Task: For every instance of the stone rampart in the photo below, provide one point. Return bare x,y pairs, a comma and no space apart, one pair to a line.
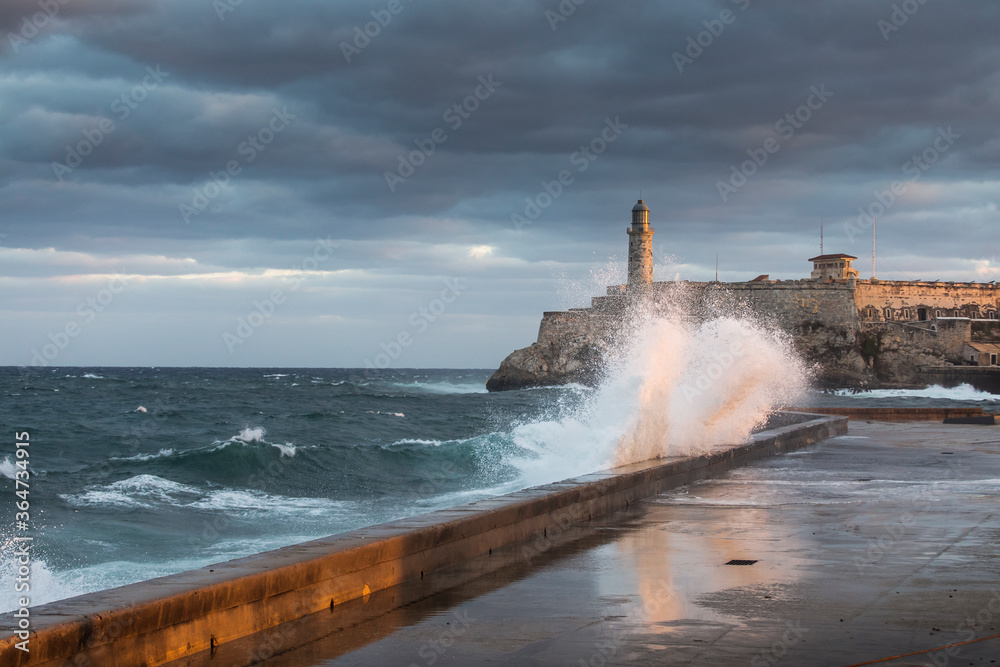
855,332
905,299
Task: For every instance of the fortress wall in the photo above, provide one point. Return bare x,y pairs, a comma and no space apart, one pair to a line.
946,337
794,303
790,303
946,297
950,337
576,325
985,331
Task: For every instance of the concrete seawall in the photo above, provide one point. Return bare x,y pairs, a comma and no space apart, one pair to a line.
898,414
187,616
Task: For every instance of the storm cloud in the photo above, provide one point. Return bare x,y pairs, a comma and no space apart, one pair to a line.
353,156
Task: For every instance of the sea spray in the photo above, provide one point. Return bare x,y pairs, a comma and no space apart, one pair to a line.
673,386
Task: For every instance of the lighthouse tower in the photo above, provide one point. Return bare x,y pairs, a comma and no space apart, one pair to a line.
640,248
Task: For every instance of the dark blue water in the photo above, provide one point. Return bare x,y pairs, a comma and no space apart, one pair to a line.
141,472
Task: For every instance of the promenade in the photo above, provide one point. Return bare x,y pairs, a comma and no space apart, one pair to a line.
879,543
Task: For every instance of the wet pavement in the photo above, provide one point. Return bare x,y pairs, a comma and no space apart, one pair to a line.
876,544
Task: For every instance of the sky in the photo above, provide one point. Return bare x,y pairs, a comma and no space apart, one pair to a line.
412,183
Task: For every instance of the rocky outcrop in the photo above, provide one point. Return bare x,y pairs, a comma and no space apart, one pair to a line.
822,320
570,348
546,365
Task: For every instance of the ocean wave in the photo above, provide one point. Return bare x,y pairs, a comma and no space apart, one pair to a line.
46,585
244,437
7,468
963,392
379,412
444,387
163,453
253,502
287,449
138,492
91,376
415,441
151,491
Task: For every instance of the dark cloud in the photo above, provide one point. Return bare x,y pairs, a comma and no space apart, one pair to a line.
224,75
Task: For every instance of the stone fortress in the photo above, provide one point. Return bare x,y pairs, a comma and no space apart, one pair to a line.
859,333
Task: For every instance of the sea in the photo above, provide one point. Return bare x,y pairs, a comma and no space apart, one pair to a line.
142,472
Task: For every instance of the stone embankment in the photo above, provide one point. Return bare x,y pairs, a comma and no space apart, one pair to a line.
247,610
823,321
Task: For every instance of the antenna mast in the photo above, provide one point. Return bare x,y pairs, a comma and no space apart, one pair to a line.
874,220
716,267
821,236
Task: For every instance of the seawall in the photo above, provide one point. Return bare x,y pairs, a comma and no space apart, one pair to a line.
193,616
900,414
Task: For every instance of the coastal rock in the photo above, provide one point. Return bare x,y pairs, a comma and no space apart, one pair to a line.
845,344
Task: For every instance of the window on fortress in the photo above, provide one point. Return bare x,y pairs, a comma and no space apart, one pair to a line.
906,313
888,313
937,313
993,315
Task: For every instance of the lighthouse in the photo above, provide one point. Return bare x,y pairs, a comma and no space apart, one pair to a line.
640,248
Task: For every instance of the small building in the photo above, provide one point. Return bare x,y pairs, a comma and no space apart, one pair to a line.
981,354
836,267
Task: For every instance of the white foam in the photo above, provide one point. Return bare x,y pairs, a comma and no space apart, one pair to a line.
254,502
150,491
91,376
46,586
277,375
674,389
287,449
163,453
388,414
248,434
140,409
445,387
7,468
141,491
416,441
963,392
